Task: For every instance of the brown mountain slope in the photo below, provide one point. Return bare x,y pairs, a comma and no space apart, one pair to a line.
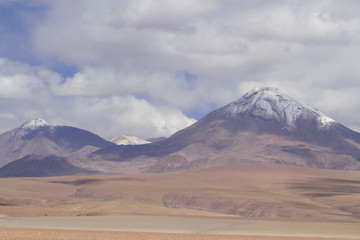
262,126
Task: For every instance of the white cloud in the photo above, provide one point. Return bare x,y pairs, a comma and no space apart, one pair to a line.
114,116
192,55
28,92
20,81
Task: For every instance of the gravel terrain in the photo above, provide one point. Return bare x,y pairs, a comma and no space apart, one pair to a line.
50,234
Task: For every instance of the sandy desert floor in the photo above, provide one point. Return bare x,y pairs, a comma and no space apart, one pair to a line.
50,234
255,191
244,201
149,225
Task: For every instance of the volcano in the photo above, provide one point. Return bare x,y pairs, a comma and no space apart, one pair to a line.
263,126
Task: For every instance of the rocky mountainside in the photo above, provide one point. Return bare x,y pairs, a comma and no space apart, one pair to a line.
41,138
264,125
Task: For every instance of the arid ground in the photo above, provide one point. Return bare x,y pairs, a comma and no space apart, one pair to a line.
272,200
188,225
40,234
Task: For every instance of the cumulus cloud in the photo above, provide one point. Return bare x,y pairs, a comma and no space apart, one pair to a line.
189,57
114,116
20,81
28,92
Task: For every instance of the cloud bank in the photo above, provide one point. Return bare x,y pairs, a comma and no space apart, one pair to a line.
148,68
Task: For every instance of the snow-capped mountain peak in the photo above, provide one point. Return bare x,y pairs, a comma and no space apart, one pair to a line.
28,127
128,140
34,124
270,104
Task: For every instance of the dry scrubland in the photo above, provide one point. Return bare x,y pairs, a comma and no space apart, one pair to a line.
245,191
253,191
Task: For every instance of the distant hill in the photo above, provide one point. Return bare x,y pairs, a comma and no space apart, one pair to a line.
42,166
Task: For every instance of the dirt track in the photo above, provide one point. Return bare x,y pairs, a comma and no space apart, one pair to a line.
48,234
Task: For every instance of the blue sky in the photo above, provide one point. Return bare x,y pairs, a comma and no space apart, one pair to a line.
17,21
149,68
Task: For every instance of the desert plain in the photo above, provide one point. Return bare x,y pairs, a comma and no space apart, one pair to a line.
240,201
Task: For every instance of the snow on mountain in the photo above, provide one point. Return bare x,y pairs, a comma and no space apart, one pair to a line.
270,104
39,137
34,124
29,127
263,126
128,140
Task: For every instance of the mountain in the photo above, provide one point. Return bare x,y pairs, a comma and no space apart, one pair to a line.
128,140
263,126
152,140
39,137
33,165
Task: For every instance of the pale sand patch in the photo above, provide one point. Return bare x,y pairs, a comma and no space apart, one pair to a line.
188,225
51,234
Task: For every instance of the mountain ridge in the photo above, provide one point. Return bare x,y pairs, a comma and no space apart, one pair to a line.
39,137
263,126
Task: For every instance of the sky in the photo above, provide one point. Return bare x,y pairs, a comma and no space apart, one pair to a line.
152,67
